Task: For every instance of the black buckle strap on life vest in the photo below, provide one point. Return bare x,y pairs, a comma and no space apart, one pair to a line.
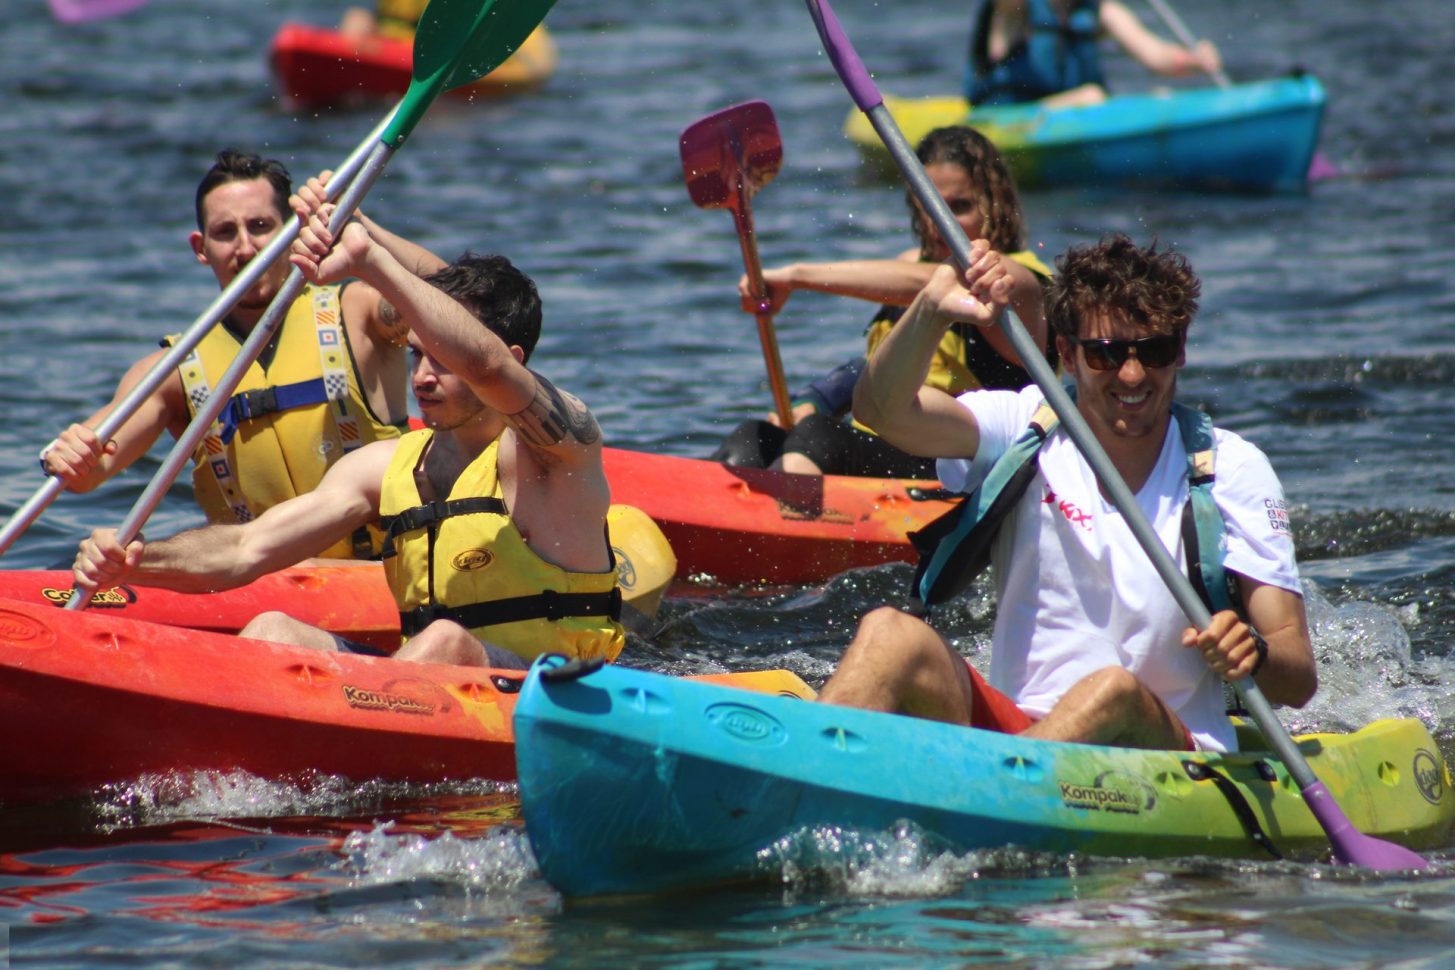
1200,771
430,513
545,605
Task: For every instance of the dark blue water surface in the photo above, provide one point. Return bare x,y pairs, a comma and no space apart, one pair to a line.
1327,337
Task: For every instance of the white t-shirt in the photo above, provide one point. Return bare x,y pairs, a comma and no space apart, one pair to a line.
1077,593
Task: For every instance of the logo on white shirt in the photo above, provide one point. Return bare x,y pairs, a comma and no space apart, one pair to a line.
1074,515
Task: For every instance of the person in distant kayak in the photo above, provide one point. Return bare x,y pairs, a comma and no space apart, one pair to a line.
973,179
1089,645
389,18
1046,50
334,377
494,513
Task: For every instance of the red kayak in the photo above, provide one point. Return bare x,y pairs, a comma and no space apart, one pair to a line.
745,526
92,698
316,66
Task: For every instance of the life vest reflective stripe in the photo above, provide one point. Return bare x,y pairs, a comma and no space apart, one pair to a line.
955,548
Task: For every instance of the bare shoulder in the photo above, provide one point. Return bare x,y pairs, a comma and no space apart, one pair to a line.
369,316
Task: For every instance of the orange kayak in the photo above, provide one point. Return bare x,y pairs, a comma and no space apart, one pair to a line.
316,66
93,698
744,526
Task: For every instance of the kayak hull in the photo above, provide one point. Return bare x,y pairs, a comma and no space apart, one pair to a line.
102,699
316,67
633,783
746,526
1257,137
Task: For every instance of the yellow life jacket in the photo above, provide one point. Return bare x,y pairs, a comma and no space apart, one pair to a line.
963,361
399,18
286,422
464,560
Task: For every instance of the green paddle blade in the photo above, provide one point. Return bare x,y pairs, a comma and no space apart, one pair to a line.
456,42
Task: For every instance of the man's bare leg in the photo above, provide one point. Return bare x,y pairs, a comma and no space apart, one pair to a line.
278,627
897,663
1112,707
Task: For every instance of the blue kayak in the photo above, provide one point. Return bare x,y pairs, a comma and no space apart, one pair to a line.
633,782
1257,137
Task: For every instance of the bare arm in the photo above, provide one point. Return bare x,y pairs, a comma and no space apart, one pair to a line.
219,557
1154,53
551,423
1289,675
893,281
83,461
890,396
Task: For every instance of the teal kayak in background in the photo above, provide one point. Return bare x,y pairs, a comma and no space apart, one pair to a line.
1255,137
633,782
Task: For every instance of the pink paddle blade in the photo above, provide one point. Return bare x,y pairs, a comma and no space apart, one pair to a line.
80,11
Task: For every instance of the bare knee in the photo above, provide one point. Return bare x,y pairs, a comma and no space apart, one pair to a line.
273,626
443,642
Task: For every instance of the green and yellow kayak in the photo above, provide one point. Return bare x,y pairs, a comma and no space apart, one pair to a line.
633,782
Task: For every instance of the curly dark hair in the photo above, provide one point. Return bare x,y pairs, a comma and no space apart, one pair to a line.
997,198
1157,290
499,295
235,166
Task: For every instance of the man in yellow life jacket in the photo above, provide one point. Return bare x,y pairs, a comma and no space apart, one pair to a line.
333,378
495,512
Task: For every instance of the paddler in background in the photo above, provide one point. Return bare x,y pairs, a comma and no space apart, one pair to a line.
1089,644
1046,50
389,18
333,378
972,177
495,512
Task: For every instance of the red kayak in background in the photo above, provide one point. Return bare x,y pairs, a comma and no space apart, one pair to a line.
317,66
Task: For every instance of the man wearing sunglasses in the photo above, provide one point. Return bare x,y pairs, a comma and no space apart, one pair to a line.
1088,645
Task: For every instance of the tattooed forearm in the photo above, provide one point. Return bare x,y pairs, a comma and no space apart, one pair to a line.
551,416
392,328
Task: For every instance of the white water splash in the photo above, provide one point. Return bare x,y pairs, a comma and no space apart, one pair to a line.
501,860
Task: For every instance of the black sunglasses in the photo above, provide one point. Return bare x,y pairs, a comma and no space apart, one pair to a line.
1158,351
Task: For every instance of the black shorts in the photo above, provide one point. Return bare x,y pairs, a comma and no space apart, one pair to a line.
835,446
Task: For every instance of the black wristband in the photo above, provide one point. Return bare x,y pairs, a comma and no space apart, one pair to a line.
1261,646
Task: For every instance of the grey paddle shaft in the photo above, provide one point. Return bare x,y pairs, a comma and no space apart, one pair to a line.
168,363
1034,359
218,398
1174,22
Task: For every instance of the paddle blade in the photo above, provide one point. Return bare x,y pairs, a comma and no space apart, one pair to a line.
492,30
80,11
456,42
1351,846
731,154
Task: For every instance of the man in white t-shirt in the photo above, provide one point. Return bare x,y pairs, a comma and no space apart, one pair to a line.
1089,645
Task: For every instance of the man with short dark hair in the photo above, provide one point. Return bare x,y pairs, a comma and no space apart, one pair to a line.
333,378
1089,645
